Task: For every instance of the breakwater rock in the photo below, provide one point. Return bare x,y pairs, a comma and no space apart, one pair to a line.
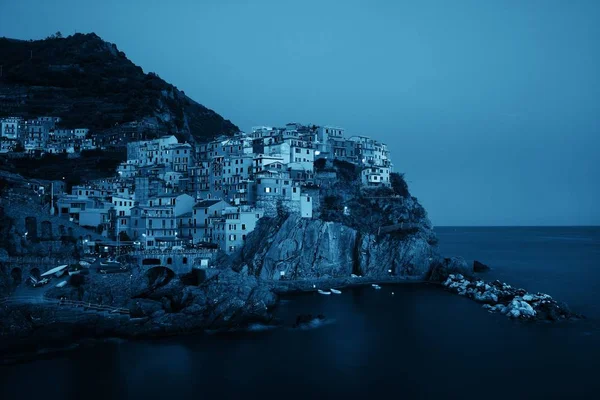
510,301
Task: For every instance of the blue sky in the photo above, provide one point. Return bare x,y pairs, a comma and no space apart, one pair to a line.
491,108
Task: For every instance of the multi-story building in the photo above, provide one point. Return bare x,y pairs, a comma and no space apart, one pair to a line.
230,229
203,211
10,127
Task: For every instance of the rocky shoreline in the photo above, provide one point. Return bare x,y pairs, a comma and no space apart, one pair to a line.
513,302
227,301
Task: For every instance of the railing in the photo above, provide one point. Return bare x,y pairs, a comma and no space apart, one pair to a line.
39,260
169,252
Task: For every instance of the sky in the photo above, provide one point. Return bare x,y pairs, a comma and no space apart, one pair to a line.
491,108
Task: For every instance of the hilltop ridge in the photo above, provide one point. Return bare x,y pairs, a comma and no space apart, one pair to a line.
89,82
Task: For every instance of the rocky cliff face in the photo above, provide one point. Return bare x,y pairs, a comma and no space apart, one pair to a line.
374,233
314,249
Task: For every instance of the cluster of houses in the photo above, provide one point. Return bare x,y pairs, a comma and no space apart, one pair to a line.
42,135
170,194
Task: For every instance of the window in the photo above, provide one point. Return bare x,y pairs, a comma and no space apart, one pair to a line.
267,190
185,260
243,227
169,261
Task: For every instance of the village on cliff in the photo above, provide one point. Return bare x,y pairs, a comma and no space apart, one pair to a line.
173,196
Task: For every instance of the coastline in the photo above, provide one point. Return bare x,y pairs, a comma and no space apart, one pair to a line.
57,337
92,329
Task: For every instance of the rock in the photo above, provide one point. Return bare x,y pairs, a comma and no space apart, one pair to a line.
304,319
518,307
297,248
442,268
3,255
480,267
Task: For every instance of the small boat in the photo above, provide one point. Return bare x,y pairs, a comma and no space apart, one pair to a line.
376,286
354,276
335,291
323,292
84,264
110,263
62,284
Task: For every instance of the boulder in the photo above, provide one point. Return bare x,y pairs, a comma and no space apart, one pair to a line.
480,267
442,268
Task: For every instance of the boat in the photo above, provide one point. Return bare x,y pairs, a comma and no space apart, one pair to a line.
61,284
84,264
323,292
57,271
376,286
335,291
110,263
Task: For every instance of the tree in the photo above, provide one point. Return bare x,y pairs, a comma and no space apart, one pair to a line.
399,185
124,237
58,35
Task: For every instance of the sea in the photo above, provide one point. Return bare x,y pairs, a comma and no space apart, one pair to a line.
403,341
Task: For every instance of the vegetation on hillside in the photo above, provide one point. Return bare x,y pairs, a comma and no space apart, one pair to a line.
93,164
90,83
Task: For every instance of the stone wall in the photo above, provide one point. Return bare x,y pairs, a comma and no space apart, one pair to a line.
270,205
180,262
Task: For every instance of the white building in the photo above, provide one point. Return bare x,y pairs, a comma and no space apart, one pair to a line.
230,230
9,127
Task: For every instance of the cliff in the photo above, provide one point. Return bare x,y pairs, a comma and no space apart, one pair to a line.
91,83
376,233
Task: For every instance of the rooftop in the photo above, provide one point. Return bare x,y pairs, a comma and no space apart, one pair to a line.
206,203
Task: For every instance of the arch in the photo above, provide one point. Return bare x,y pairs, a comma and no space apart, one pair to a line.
169,261
17,276
151,261
46,230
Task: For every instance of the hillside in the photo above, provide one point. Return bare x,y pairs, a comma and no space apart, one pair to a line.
90,83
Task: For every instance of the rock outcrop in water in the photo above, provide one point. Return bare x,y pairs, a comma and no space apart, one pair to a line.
510,301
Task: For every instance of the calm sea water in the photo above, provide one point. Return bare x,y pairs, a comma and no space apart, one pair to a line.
411,341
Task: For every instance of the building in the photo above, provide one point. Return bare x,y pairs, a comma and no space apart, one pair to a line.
203,210
230,229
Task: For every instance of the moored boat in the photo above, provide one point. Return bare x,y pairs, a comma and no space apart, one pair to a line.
335,291
323,292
